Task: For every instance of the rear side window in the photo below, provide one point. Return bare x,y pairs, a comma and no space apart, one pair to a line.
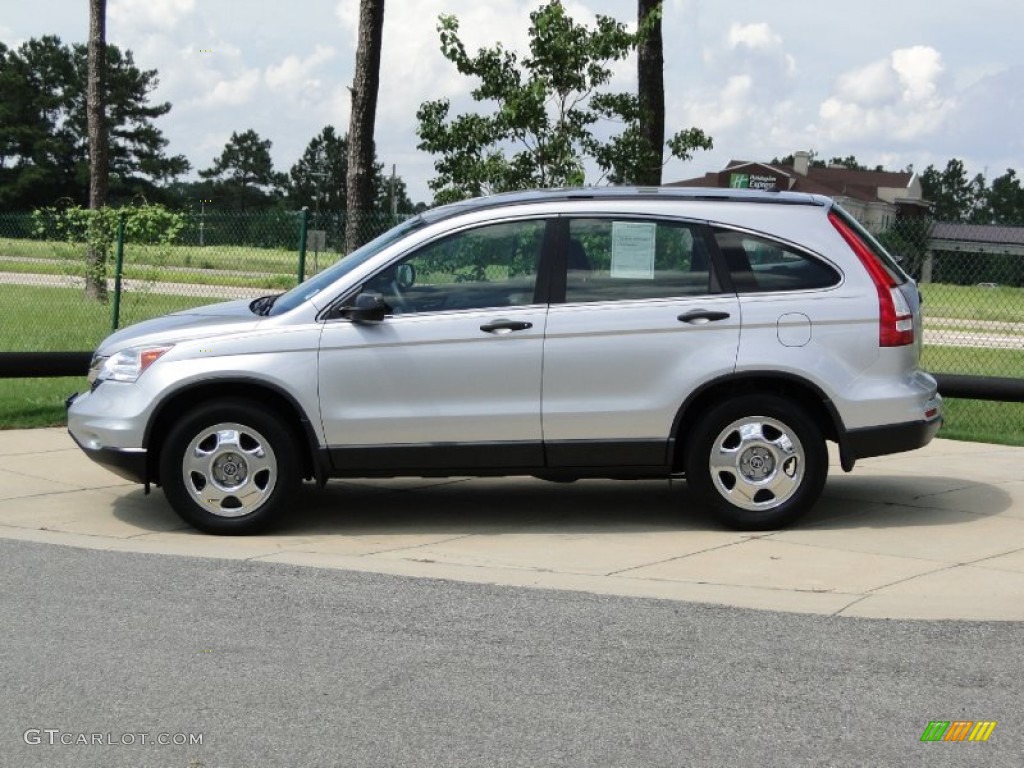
617,259
759,265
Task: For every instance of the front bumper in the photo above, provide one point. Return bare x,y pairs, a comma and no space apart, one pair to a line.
97,435
130,463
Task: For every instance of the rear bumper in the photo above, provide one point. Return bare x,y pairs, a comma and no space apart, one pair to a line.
890,438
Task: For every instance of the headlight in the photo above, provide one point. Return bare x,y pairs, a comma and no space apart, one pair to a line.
127,365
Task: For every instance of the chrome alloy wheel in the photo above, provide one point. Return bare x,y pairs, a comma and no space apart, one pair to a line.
229,469
757,463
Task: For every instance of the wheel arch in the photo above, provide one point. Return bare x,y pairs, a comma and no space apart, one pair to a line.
801,391
264,394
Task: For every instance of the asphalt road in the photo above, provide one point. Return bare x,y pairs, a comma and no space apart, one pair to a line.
283,666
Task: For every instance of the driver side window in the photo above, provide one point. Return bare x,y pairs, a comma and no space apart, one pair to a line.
489,266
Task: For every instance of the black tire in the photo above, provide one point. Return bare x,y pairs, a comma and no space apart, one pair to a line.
242,455
759,460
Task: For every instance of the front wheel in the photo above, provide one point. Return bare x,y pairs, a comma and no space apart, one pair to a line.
759,460
229,467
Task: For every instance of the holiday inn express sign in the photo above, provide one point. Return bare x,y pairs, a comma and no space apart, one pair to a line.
753,181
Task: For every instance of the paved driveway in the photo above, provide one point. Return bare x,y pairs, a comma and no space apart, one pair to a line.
937,533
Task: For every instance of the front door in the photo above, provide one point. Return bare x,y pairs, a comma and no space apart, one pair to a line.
452,376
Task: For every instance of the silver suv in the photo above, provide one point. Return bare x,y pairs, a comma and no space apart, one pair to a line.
723,336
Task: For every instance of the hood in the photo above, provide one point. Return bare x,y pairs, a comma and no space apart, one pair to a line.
213,319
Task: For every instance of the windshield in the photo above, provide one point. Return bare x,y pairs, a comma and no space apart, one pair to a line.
305,291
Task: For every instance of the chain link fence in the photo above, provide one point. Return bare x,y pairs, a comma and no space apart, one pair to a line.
212,256
971,278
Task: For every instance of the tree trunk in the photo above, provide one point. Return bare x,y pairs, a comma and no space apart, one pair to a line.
96,280
651,92
365,84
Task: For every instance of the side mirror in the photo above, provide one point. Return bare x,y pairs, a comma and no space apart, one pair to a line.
366,308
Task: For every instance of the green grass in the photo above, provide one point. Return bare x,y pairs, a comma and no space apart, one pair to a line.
980,421
241,258
149,273
59,320
29,403
974,361
969,302
37,318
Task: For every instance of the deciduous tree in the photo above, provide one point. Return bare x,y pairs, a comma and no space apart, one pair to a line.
1005,200
549,115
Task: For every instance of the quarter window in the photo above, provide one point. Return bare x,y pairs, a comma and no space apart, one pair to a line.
759,265
622,259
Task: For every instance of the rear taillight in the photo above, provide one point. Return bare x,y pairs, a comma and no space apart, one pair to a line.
895,318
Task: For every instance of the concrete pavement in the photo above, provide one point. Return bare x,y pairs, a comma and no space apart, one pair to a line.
933,534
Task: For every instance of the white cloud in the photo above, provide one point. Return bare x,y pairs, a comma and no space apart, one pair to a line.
756,36
162,14
347,13
876,83
295,72
918,69
232,91
730,107
899,98
748,43
747,102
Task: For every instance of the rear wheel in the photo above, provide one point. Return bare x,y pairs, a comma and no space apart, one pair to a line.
229,467
759,460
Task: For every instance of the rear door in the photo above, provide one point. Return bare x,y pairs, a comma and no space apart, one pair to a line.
644,321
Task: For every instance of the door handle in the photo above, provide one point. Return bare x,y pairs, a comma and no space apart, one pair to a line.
505,326
701,316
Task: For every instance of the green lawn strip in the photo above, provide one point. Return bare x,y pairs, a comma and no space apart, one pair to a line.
238,258
981,421
29,403
970,302
51,319
974,361
150,274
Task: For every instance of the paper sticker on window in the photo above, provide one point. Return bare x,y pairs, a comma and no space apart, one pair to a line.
633,250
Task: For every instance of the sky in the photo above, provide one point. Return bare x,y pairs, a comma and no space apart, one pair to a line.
894,83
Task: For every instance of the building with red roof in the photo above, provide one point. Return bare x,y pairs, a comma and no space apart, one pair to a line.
875,198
